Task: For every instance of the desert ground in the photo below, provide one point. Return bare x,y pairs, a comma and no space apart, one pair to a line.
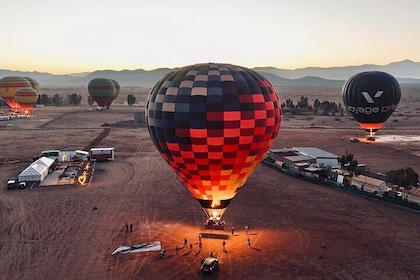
69,232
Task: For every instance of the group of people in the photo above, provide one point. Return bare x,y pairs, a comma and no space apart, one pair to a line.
185,244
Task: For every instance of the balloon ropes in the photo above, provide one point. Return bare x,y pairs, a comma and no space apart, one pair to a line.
371,98
213,124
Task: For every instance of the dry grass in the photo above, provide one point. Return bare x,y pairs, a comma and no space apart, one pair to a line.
55,233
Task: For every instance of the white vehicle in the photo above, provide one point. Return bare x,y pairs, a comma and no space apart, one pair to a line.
11,183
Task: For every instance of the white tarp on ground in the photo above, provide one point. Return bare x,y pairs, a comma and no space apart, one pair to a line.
145,247
37,171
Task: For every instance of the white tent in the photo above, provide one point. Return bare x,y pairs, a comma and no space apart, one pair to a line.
37,171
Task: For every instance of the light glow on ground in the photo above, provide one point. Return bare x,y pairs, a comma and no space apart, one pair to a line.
397,138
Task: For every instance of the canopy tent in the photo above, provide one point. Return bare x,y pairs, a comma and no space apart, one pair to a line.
37,171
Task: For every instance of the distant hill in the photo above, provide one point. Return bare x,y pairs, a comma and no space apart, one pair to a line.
406,71
402,69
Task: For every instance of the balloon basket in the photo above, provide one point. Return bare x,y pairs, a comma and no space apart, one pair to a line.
214,222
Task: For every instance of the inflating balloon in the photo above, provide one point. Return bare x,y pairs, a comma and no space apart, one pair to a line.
102,91
213,124
371,98
26,97
8,86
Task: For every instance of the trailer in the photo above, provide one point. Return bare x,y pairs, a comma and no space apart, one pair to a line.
101,154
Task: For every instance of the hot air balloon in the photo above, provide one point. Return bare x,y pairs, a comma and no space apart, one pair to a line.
213,124
34,83
26,97
371,98
102,90
8,86
117,92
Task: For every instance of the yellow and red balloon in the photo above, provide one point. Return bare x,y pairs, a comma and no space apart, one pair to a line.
26,97
8,87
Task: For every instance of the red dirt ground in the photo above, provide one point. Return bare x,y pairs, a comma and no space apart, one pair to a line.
56,233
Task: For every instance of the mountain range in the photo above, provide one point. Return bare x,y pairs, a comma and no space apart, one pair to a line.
406,71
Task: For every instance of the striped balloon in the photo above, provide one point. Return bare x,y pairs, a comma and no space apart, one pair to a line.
102,91
117,92
8,87
26,97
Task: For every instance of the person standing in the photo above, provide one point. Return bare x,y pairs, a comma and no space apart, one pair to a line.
190,246
185,242
126,227
246,230
131,227
176,250
233,230
249,242
224,245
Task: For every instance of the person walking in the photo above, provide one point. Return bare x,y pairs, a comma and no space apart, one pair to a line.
126,227
249,242
224,245
246,230
190,246
131,227
233,230
185,242
176,250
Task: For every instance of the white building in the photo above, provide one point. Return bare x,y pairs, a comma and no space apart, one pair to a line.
369,184
322,157
37,171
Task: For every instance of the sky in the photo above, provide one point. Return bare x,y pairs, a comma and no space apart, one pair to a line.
63,37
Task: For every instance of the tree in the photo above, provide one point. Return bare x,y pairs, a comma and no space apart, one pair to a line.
404,177
45,99
74,99
347,161
303,103
131,99
57,100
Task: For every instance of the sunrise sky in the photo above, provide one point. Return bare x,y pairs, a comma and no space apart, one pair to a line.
62,37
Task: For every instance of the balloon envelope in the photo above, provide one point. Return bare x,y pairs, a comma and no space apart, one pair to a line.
213,124
371,98
117,92
26,97
102,90
34,83
8,87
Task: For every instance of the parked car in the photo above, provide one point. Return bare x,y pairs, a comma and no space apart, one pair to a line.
209,265
354,139
370,138
12,183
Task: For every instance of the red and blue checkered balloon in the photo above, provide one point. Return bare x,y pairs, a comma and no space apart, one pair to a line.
213,123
